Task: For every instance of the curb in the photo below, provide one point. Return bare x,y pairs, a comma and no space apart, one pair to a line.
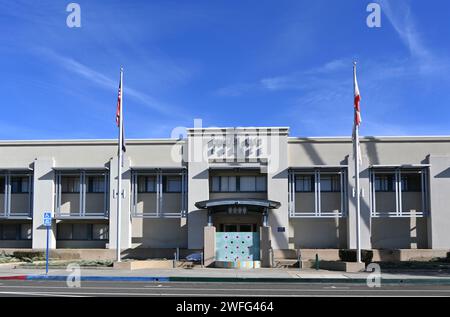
86,278
423,281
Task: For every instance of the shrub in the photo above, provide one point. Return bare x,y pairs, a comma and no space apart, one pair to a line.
349,255
28,256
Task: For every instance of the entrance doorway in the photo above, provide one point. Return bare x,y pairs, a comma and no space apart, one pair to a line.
238,227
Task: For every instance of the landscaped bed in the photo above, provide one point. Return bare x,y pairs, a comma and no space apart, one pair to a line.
436,264
55,263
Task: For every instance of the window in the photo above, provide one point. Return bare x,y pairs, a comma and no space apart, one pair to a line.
19,184
238,184
96,184
82,231
261,184
330,183
147,184
173,184
2,185
70,184
383,183
223,184
215,184
386,183
25,231
15,231
412,183
247,184
100,232
304,183
9,232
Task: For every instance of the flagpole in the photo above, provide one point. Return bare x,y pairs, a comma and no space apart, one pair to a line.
357,190
119,170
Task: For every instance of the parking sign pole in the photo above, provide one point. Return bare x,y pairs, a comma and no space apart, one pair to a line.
46,251
47,224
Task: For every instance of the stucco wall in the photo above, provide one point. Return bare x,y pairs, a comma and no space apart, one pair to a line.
318,233
159,233
399,233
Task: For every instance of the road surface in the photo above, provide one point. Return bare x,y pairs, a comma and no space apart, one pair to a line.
188,289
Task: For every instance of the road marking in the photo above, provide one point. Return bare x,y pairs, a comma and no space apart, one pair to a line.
41,294
65,294
291,290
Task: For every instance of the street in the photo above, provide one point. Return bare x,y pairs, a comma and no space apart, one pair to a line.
188,289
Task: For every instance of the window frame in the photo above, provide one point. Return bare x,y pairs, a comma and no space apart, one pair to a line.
238,179
90,230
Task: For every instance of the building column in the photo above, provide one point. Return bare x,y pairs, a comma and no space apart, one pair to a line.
209,249
438,220
265,244
365,219
198,178
43,194
277,190
125,229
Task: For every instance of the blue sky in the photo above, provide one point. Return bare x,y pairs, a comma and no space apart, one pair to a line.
229,63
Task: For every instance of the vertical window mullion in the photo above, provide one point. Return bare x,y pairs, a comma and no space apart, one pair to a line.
316,186
8,207
289,193
30,200
341,191
157,192
373,192
422,192
396,193
105,194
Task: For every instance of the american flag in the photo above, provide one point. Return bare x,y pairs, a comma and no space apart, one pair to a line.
119,103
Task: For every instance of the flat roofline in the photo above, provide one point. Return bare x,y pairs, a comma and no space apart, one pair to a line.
81,168
238,130
347,139
166,168
88,142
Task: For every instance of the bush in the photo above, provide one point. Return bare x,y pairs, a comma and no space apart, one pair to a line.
349,255
29,256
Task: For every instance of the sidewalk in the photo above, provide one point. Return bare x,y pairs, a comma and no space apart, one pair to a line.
226,275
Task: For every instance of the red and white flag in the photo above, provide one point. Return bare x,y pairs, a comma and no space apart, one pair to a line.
357,116
357,98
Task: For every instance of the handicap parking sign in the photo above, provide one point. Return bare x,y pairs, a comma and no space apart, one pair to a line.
47,219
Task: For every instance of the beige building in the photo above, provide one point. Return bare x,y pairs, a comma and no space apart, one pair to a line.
301,190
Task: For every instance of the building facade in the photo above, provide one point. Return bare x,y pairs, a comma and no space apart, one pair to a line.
299,191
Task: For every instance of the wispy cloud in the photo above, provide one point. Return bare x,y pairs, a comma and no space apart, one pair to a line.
401,18
293,81
103,81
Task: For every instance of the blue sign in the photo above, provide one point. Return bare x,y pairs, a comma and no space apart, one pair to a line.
47,219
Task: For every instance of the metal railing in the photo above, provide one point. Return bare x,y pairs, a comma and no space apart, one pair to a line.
398,208
82,193
160,210
8,211
318,211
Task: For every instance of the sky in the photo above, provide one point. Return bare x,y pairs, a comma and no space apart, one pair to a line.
228,63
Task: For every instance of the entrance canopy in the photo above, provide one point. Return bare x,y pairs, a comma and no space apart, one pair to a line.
221,205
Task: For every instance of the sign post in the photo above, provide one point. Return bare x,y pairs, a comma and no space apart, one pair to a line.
47,224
